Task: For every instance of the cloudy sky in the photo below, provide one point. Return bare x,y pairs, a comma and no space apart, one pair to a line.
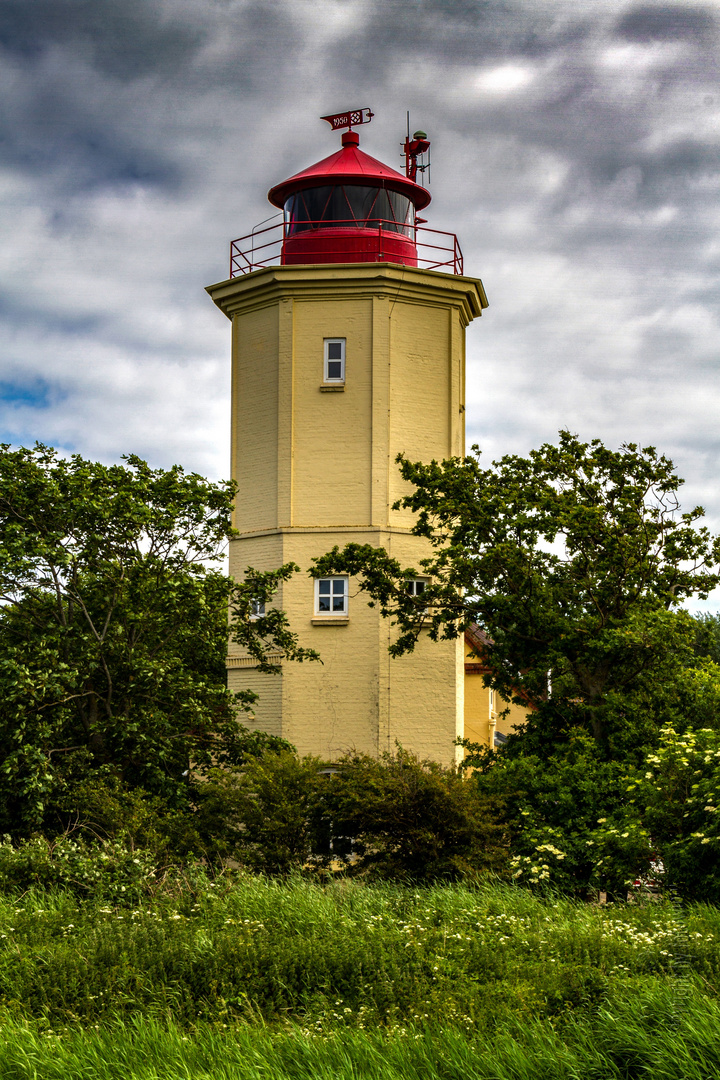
575,153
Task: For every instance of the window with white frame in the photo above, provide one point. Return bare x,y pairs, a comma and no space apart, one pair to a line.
331,596
417,586
257,609
334,367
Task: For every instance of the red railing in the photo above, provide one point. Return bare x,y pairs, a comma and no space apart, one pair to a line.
344,241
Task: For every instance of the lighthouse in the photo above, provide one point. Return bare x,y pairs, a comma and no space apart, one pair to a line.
348,347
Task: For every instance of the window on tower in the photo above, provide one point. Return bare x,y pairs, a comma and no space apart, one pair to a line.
334,360
331,596
416,587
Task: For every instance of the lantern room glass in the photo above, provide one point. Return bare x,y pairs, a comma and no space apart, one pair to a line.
349,206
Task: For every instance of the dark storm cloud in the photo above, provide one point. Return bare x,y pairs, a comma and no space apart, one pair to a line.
668,22
603,127
575,151
67,66
94,89
139,39
461,32
56,137
125,40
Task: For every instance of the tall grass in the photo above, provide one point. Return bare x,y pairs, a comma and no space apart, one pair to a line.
343,958
639,1036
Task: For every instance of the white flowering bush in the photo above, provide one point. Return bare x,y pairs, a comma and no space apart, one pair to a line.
624,853
665,832
678,792
543,865
552,808
109,870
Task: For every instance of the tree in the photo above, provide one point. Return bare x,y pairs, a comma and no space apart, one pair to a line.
114,628
707,635
574,562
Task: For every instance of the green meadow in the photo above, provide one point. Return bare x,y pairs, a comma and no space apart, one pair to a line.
243,977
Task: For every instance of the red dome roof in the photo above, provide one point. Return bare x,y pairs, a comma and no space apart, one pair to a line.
350,165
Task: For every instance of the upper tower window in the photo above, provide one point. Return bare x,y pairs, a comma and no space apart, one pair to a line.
349,206
334,360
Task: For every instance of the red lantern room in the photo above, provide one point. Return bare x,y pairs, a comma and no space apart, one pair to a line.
349,208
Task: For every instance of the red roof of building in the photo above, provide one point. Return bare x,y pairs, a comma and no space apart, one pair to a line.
350,165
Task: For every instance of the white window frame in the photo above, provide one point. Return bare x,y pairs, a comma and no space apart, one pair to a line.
257,609
412,589
332,594
334,381
413,584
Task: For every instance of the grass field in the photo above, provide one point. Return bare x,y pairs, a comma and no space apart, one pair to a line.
253,978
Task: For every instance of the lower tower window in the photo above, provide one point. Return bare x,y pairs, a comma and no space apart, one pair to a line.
331,596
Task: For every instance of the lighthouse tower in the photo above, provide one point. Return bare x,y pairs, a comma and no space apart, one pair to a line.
348,347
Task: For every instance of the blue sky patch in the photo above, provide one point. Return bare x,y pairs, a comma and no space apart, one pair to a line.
35,393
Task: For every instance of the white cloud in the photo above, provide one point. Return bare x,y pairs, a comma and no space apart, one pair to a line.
504,79
574,152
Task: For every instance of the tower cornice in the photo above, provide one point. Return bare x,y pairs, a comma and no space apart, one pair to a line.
349,281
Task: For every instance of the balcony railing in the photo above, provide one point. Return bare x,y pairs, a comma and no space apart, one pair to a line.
345,241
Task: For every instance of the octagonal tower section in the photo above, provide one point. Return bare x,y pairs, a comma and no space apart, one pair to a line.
346,350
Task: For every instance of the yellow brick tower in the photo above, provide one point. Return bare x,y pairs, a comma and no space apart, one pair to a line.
349,351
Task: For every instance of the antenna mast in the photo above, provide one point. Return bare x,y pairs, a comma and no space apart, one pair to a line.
413,149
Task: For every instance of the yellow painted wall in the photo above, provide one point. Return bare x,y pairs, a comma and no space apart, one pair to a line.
317,468
483,705
332,428
254,433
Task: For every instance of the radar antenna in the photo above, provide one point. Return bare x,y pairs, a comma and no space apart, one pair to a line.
413,149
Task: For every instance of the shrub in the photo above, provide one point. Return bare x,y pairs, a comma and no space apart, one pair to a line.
266,815
393,818
412,819
108,871
672,801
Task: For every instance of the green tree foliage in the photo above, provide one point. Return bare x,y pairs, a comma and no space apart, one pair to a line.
414,820
114,628
666,828
707,636
394,818
574,561
266,815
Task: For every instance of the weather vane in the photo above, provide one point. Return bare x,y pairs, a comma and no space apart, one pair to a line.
350,119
